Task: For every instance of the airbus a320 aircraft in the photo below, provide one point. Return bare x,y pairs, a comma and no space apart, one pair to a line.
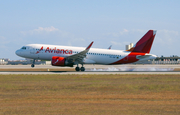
69,56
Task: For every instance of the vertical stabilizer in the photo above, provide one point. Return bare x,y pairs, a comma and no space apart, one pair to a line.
145,43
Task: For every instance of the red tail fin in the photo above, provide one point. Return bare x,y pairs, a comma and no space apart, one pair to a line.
145,43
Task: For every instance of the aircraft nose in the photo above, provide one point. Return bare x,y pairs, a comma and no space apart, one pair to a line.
18,52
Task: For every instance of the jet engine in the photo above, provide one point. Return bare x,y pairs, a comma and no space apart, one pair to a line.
60,61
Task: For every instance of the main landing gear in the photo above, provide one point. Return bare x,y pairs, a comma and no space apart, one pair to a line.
78,69
32,65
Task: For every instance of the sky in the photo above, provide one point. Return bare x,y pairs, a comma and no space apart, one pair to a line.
79,22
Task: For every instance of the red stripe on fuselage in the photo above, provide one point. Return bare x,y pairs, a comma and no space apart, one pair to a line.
130,58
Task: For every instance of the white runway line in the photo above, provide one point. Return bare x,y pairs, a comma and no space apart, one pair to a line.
82,73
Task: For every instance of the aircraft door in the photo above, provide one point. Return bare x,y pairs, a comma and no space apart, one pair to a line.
33,54
32,51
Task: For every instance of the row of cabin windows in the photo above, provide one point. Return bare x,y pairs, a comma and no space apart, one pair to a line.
101,54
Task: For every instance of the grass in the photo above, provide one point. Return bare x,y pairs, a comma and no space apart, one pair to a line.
89,94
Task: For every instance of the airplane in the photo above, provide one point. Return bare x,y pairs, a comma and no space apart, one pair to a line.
70,56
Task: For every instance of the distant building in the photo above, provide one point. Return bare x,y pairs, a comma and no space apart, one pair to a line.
3,61
128,47
162,60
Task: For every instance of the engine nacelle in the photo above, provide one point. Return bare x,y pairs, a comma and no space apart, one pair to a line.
60,61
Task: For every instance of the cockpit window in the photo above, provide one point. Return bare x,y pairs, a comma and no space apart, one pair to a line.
23,48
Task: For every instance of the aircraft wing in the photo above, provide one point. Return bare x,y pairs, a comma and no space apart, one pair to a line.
78,58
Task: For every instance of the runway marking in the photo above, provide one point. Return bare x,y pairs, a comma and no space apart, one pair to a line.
92,72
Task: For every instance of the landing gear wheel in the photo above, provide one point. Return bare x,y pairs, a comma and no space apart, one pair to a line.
32,65
77,69
82,69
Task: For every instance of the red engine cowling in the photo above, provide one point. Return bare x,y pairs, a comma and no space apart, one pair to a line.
58,61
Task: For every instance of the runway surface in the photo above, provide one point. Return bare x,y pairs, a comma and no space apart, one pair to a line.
94,69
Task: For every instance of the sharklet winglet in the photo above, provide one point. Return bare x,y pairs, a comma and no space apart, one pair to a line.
89,45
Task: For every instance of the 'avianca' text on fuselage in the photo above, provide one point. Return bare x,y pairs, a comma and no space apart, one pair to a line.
54,50
69,56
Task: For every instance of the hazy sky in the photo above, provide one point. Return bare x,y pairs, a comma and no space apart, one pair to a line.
78,22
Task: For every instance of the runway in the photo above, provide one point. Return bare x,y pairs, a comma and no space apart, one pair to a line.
91,69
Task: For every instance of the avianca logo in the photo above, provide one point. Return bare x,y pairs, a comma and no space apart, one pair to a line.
39,50
54,50
56,62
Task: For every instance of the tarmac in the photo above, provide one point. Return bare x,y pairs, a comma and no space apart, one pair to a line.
97,69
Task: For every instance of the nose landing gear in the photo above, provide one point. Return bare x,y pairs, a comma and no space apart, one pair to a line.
32,65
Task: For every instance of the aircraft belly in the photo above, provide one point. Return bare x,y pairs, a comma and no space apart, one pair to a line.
45,56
